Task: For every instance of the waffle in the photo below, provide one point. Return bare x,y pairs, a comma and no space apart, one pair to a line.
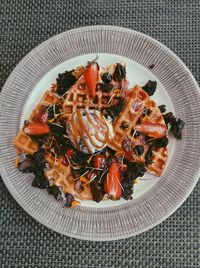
159,159
62,176
66,182
59,179
57,163
25,143
78,72
155,116
78,98
48,99
160,155
125,123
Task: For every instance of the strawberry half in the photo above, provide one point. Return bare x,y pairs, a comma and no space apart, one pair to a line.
112,184
70,152
36,129
91,77
42,117
152,130
98,161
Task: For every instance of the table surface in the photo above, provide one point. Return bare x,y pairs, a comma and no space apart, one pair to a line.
26,243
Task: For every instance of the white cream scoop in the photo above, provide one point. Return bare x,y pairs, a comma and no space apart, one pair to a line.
89,130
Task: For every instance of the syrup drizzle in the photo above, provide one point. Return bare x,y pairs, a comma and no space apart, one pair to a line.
98,139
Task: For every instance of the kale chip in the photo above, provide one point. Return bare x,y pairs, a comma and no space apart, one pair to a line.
177,125
119,73
150,87
64,82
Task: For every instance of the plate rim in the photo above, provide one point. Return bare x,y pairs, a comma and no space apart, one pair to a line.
189,188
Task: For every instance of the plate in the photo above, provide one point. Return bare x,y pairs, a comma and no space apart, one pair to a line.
154,198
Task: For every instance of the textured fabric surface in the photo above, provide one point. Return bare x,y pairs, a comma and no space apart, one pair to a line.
26,243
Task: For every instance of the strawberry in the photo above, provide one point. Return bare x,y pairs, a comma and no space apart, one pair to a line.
36,129
70,152
98,161
91,77
42,117
112,184
152,129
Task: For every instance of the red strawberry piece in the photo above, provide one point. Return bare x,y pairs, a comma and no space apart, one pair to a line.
152,129
36,129
68,156
112,184
91,77
137,105
70,152
98,161
42,116
127,145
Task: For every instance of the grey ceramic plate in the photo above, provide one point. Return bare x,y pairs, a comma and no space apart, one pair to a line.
177,87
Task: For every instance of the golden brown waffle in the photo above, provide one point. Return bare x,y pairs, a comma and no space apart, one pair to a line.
57,163
60,179
160,155
78,72
77,98
25,143
155,116
48,99
125,122
36,112
66,182
61,175
159,159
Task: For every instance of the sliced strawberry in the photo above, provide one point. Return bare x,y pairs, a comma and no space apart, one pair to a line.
42,117
70,152
98,161
68,157
36,129
91,77
112,184
137,105
152,129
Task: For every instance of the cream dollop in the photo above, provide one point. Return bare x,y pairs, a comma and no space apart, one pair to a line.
89,130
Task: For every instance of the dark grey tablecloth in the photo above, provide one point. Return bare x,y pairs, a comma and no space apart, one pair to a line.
26,243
